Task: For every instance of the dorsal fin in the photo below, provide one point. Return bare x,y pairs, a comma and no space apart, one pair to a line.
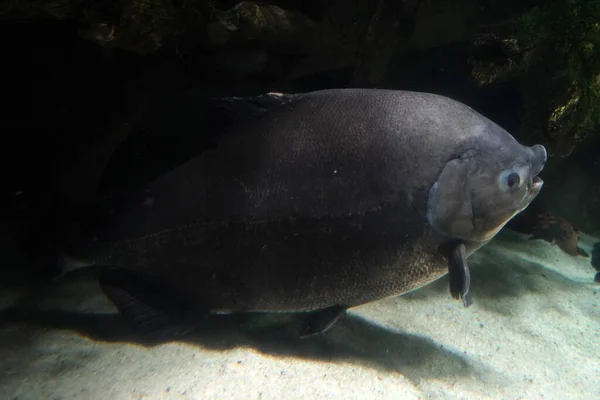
227,110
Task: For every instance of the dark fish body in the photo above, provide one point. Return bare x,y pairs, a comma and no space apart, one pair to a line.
294,264
329,198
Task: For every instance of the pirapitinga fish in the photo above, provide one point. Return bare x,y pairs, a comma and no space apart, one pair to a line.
315,203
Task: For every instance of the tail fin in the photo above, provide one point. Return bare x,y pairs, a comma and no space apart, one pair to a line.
225,111
62,226
66,264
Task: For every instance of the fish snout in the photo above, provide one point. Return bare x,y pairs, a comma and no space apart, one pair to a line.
540,156
538,161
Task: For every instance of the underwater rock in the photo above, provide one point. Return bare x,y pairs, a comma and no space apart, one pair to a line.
542,225
596,257
557,71
30,9
336,39
444,22
269,26
548,102
391,23
562,123
494,60
137,26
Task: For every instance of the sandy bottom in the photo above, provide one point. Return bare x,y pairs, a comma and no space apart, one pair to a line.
533,332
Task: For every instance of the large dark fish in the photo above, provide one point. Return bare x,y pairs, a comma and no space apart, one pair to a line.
317,202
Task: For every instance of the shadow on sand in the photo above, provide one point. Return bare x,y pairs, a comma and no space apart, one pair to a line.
353,339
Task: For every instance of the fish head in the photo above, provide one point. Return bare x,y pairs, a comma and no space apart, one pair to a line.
485,185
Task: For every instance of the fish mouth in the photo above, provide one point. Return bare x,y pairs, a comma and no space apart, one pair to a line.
534,189
536,184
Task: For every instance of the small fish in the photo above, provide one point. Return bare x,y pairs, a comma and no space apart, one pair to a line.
314,203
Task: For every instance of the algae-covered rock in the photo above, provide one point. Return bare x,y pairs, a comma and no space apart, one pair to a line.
554,53
151,20
495,59
251,23
566,72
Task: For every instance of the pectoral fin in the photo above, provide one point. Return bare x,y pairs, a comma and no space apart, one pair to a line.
460,277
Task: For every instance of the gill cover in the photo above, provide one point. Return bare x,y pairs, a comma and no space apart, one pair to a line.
449,208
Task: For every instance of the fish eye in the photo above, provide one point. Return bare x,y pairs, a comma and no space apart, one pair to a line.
509,180
513,180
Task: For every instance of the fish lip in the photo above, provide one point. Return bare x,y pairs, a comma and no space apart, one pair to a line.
534,189
536,184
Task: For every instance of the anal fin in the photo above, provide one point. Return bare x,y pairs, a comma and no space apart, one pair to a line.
317,322
151,308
